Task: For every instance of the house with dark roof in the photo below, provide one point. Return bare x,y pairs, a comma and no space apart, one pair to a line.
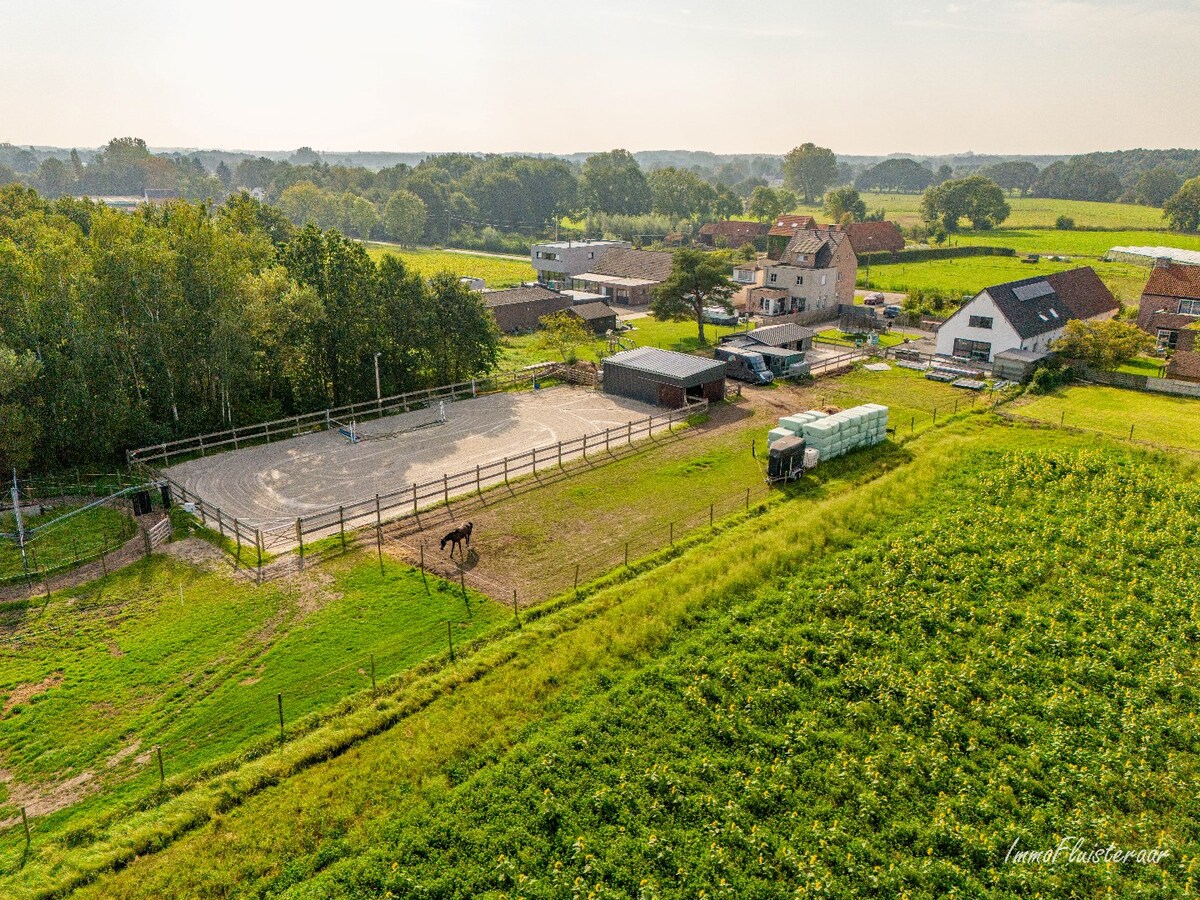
517,310
1029,314
1170,302
732,234
787,336
874,237
814,271
626,277
596,316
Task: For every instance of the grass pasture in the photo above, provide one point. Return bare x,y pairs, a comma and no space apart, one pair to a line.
1090,244
883,688
496,271
80,536
1157,418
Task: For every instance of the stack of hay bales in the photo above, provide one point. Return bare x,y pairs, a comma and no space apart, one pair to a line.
834,435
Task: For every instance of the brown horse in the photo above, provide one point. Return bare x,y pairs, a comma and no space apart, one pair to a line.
461,534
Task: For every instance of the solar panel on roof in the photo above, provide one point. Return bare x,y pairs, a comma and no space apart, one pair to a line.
1033,291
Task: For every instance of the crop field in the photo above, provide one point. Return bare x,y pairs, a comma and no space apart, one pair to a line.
853,692
968,275
1092,244
1027,212
1159,419
496,271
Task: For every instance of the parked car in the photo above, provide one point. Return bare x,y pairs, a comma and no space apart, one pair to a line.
875,299
892,311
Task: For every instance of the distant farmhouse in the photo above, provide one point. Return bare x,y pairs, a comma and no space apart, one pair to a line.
1026,315
731,234
626,277
874,237
814,271
1170,310
557,262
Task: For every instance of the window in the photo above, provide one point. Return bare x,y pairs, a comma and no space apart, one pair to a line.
1189,307
977,350
591,255
799,279
980,322
772,278
1167,339
546,254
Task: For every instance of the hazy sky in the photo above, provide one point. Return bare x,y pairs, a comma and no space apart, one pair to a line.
860,76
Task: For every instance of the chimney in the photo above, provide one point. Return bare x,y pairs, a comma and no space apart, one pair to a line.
1162,262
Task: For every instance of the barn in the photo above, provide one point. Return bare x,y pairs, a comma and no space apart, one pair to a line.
663,377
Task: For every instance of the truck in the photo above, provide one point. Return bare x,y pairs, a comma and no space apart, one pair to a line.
744,365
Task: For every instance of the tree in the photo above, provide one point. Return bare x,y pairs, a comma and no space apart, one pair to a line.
697,280
763,204
1012,175
975,198
680,194
1078,178
809,170
562,332
404,217
1157,186
613,182
18,428
905,176
943,173
1183,210
844,204
461,334
1103,345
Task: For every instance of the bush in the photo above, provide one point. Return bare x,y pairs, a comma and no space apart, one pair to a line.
1064,223
886,257
1049,378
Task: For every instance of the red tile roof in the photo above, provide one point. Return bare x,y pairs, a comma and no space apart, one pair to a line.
871,237
1174,281
786,226
734,231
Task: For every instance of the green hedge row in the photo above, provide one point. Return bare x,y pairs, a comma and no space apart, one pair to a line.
886,257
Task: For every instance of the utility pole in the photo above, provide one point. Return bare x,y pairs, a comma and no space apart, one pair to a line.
378,392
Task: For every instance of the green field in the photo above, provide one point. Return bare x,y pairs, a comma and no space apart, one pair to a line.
878,689
647,331
967,276
844,339
163,653
78,537
1027,212
1169,421
496,271
1093,244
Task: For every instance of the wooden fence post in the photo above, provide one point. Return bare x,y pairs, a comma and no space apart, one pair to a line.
710,514
629,433
450,639
342,526
516,615
671,533
560,454
446,489
25,824
146,539
373,688
379,532
576,579
414,498
258,549
220,523
300,540
281,736
747,499
585,447
533,456
237,534
506,471
478,488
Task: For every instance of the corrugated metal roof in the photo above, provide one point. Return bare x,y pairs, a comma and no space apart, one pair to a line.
666,362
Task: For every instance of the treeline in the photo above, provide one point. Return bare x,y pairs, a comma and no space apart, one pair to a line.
123,329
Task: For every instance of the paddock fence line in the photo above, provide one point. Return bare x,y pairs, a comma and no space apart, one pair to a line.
322,420
1013,414
251,542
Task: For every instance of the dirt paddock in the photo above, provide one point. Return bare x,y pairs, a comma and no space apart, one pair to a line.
273,483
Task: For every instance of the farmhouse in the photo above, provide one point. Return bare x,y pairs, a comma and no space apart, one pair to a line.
784,230
874,237
597,317
1029,314
558,262
731,234
626,277
1170,302
663,377
518,309
815,271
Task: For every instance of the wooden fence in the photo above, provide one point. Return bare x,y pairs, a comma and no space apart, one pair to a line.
294,426
412,499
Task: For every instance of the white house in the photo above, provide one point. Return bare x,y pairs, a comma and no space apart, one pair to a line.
1029,314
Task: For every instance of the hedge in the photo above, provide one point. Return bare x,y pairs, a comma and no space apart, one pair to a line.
886,257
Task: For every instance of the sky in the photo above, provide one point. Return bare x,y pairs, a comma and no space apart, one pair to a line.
758,76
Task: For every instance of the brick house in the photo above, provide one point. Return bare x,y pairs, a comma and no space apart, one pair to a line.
874,237
1170,302
731,234
784,229
816,270
518,310
626,277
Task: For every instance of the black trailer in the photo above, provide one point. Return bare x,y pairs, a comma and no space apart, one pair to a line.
785,459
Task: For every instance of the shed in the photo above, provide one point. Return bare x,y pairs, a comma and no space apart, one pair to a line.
597,317
520,309
1017,364
663,377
